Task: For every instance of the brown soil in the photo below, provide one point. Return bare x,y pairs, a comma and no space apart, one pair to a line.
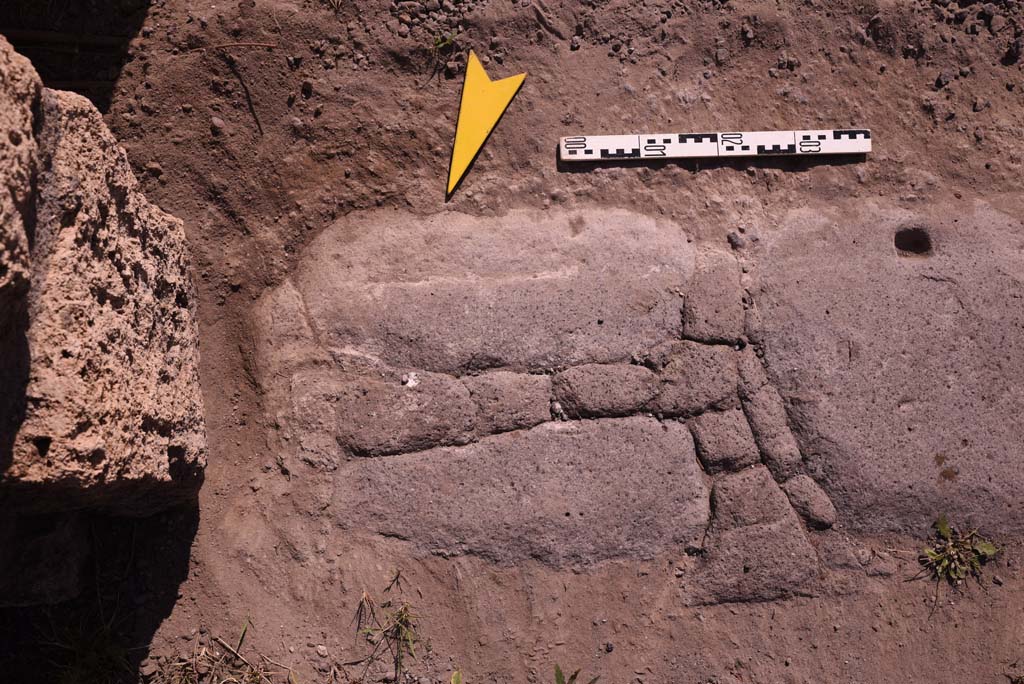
259,150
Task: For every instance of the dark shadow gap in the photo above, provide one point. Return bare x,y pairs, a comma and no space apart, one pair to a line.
76,45
129,572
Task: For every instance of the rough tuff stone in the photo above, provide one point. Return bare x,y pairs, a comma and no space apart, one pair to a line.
768,421
509,401
810,501
110,414
724,440
749,497
562,493
604,389
713,311
693,376
19,92
924,359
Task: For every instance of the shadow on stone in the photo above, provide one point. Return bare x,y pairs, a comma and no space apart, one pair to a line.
13,377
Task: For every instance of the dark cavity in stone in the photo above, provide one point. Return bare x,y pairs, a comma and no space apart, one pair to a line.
913,242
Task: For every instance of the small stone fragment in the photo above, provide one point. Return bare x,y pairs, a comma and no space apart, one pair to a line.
217,125
1014,52
767,415
148,668
810,501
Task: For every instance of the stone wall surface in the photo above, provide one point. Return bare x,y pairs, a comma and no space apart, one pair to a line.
902,388
568,389
555,387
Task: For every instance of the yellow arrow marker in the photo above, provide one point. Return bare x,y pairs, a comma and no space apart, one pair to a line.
483,103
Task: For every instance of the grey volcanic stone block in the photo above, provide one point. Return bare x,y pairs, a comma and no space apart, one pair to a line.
693,376
752,373
509,401
453,293
768,421
604,389
368,416
760,562
562,492
756,548
895,376
748,497
713,311
810,501
724,440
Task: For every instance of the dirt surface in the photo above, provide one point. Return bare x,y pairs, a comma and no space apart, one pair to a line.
871,375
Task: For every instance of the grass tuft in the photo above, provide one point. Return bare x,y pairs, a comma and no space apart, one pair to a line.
953,556
222,663
560,677
390,628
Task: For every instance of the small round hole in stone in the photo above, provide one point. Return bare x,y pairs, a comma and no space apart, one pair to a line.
912,242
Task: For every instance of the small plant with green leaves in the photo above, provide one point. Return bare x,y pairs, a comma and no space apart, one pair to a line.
560,677
390,628
444,46
953,556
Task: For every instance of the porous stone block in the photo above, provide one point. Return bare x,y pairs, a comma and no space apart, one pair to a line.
713,311
768,422
509,401
562,492
724,440
693,376
594,390
810,501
